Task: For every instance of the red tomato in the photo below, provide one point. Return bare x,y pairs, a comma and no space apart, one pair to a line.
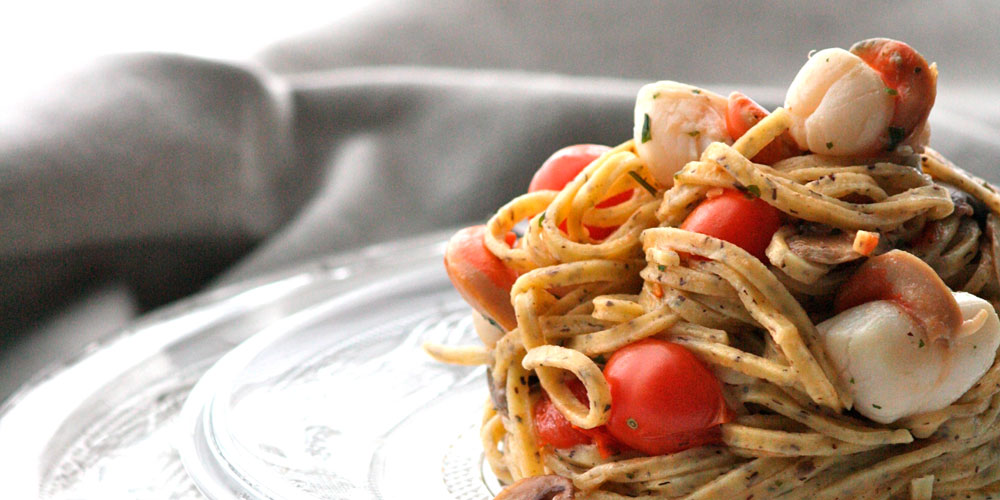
663,400
563,166
554,429
906,73
732,216
742,113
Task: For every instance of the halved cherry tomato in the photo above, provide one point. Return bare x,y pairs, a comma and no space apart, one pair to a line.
742,113
479,276
554,429
745,221
663,399
563,166
906,74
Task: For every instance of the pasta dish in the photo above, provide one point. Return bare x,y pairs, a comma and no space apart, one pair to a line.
737,303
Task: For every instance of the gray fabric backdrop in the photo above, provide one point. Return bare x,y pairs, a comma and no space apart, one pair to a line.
136,180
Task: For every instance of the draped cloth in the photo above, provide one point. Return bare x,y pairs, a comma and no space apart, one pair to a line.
135,180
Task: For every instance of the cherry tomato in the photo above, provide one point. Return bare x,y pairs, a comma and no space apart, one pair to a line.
563,166
747,222
907,75
663,399
742,113
480,277
554,429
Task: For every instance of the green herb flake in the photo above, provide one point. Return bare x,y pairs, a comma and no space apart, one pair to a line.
829,145
891,91
646,135
661,267
492,321
642,182
753,190
852,380
600,359
877,407
896,136
694,133
696,91
656,94
632,424
921,344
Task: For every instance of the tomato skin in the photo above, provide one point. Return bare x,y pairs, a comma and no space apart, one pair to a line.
663,399
742,113
732,216
563,166
552,428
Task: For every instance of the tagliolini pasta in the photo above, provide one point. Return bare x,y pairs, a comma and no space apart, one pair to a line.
792,427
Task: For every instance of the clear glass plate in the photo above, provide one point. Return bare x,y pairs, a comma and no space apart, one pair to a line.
107,424
339,402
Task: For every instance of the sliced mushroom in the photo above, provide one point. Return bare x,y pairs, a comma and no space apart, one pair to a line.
831,248
549,487
905,280
498,394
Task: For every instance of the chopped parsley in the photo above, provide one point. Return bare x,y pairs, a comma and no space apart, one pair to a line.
646,135
696,91
642,182
661,267
829,145
656,94
852,380
877,407
540,219
600,359
891,91
921,344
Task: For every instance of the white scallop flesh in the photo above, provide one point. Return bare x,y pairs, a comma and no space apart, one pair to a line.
838,105
682,121
891,369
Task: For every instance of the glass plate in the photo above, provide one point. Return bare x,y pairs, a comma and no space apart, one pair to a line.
339,401
105,424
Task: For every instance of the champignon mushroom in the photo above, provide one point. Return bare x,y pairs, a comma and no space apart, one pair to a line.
549,487
830,248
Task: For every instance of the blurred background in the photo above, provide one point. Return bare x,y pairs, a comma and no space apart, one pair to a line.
149,151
